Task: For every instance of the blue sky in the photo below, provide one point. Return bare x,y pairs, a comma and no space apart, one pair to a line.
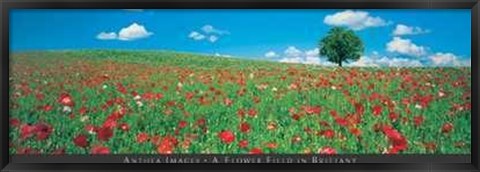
391,37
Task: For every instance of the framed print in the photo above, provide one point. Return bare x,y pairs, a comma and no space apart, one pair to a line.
239,85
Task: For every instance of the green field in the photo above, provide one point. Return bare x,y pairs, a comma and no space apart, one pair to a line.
149,102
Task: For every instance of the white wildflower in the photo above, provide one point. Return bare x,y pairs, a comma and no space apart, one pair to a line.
67,109
84,118
138,97
274,89
441,94
139,103
418,106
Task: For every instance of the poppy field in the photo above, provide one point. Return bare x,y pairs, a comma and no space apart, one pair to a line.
151,102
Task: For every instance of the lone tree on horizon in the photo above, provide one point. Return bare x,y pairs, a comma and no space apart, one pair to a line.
341,45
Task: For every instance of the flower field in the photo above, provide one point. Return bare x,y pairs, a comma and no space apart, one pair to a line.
142,102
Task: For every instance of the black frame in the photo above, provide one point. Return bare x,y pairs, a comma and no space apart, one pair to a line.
6,5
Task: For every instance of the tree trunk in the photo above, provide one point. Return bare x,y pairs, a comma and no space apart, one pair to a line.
340,63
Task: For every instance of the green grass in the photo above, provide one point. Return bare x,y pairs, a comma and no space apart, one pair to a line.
82,74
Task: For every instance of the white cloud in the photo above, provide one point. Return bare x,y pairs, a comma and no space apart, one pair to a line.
399,62
133,32
107,36
312,53
209,29
366,61
212,38
448,59
292,51
271,54
196,36
207,33
295,55
405,47
222,55
356,20
401,29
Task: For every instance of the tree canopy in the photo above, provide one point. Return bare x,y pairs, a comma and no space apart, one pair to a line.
341,45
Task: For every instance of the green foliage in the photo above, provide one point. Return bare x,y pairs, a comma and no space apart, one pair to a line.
341,45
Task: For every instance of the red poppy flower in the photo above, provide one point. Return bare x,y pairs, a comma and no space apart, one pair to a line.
341,121
121,88
104,134
81,141
359,108
272,145
241,113
201,122
252,112
39,96
65,99
243,144
124,127
27,131
82,111
228,102
398,141
244,127
327,150
167,145
392,133
182,124
158,96
333,113
296,117
328,133
377,110
255,151
375,96
100,150
43,131
189,95
355,131
393,116
47,108
148,96
14,122
226,136
142,137
418,120
110,123
425,100
447,127
312,109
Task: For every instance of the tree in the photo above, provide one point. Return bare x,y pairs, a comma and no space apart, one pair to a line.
341,45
